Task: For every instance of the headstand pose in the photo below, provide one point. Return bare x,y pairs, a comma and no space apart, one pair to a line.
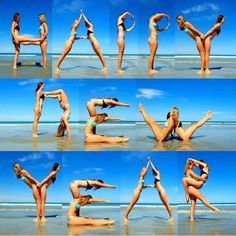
104,103
87,184
43,31
152,40
136,193
38,107
64,104
121,29
69,43
32,183
215,30
44,184
18,39
191,179
161,190
90,135
73,213
195,35
94,42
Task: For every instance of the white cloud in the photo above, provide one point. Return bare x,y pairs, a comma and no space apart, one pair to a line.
118,2
27,82
70,6
93,171
206,6
37,156
149,93
104,89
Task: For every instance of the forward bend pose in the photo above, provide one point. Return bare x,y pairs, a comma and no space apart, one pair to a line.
87,184
43,185
90,135
161,191
121,29
94,41
73,213
64,104
196,35
18,39
43,31
32,183
38,107
137,192
215,30
103,103
69,43
152,39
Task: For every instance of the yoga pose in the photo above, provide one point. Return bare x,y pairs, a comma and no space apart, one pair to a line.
93,41
195,35
104,103
38,107
73,213
152,39
18,39
121,29
69,43
137,192
87,184
32,183
44,184
64,104
90,135
43,31
161,191
215,30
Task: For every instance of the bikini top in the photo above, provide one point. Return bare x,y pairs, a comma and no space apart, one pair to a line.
42,96
89,32
40,27
141,181
153,24
76,205
17,27
104,104
22,178
92,123
122,25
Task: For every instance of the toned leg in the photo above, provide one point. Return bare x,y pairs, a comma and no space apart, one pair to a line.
64,119
91,109
121,48
98,51
37,114
79,220
96,138
207,50
74,190
37,201
43,47
16,56
153,48
24,38
201,51
43,193
192,207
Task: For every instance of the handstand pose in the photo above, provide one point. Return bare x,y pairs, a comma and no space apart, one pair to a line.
104,103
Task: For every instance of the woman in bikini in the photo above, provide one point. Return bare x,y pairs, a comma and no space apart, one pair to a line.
104,103
18,39
161,191
214,31
64,104
152,39
90,135
73,213
137,192
44,184
195,35
94,42
69,43
38,107
87,184
43,31
121,29
22,174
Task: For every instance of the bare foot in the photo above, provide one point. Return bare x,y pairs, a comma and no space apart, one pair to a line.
216,209
36,220
14,67
207,71
43,219
140,106
120,71
152,71
192,219
171,220
104,69
125,221
57,71
208,115
201,72
34,135
110,221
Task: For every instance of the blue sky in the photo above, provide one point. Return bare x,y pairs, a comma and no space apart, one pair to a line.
29,24
120,169
192,97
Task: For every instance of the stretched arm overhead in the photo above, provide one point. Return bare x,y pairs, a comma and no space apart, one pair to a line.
158,16
78,20
152,165
198,162
86,20
29,177
193,29
212,30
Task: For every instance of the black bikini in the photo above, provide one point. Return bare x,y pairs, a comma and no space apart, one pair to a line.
42,96
122,25
104,105
89,32
17,27
88,185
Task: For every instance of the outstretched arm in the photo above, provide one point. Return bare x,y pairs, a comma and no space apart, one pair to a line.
29,177
46,179
78,20
81,37
212,30
104,185
112,118
97,200
152,165
193,29
158,16
168,129
113,102
198,162
87,21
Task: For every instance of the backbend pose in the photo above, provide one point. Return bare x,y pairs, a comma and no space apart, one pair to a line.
136,192
73,213
69,43
152,39
94,42
18,39
104,103
43,185
38,107
90,135
215,30
195,35
64,104
87,184
161,190
43,31
121,29
32,183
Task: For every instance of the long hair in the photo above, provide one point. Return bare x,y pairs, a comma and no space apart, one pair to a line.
42,16
190,162
39,85
54,168
16,14
219,20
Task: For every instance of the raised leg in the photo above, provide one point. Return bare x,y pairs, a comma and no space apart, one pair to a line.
96,138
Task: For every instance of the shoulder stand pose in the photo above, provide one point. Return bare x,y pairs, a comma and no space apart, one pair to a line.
73,213
103,103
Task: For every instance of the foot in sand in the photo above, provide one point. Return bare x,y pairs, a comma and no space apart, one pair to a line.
153,71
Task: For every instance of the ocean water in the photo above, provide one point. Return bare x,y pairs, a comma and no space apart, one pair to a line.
17,136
